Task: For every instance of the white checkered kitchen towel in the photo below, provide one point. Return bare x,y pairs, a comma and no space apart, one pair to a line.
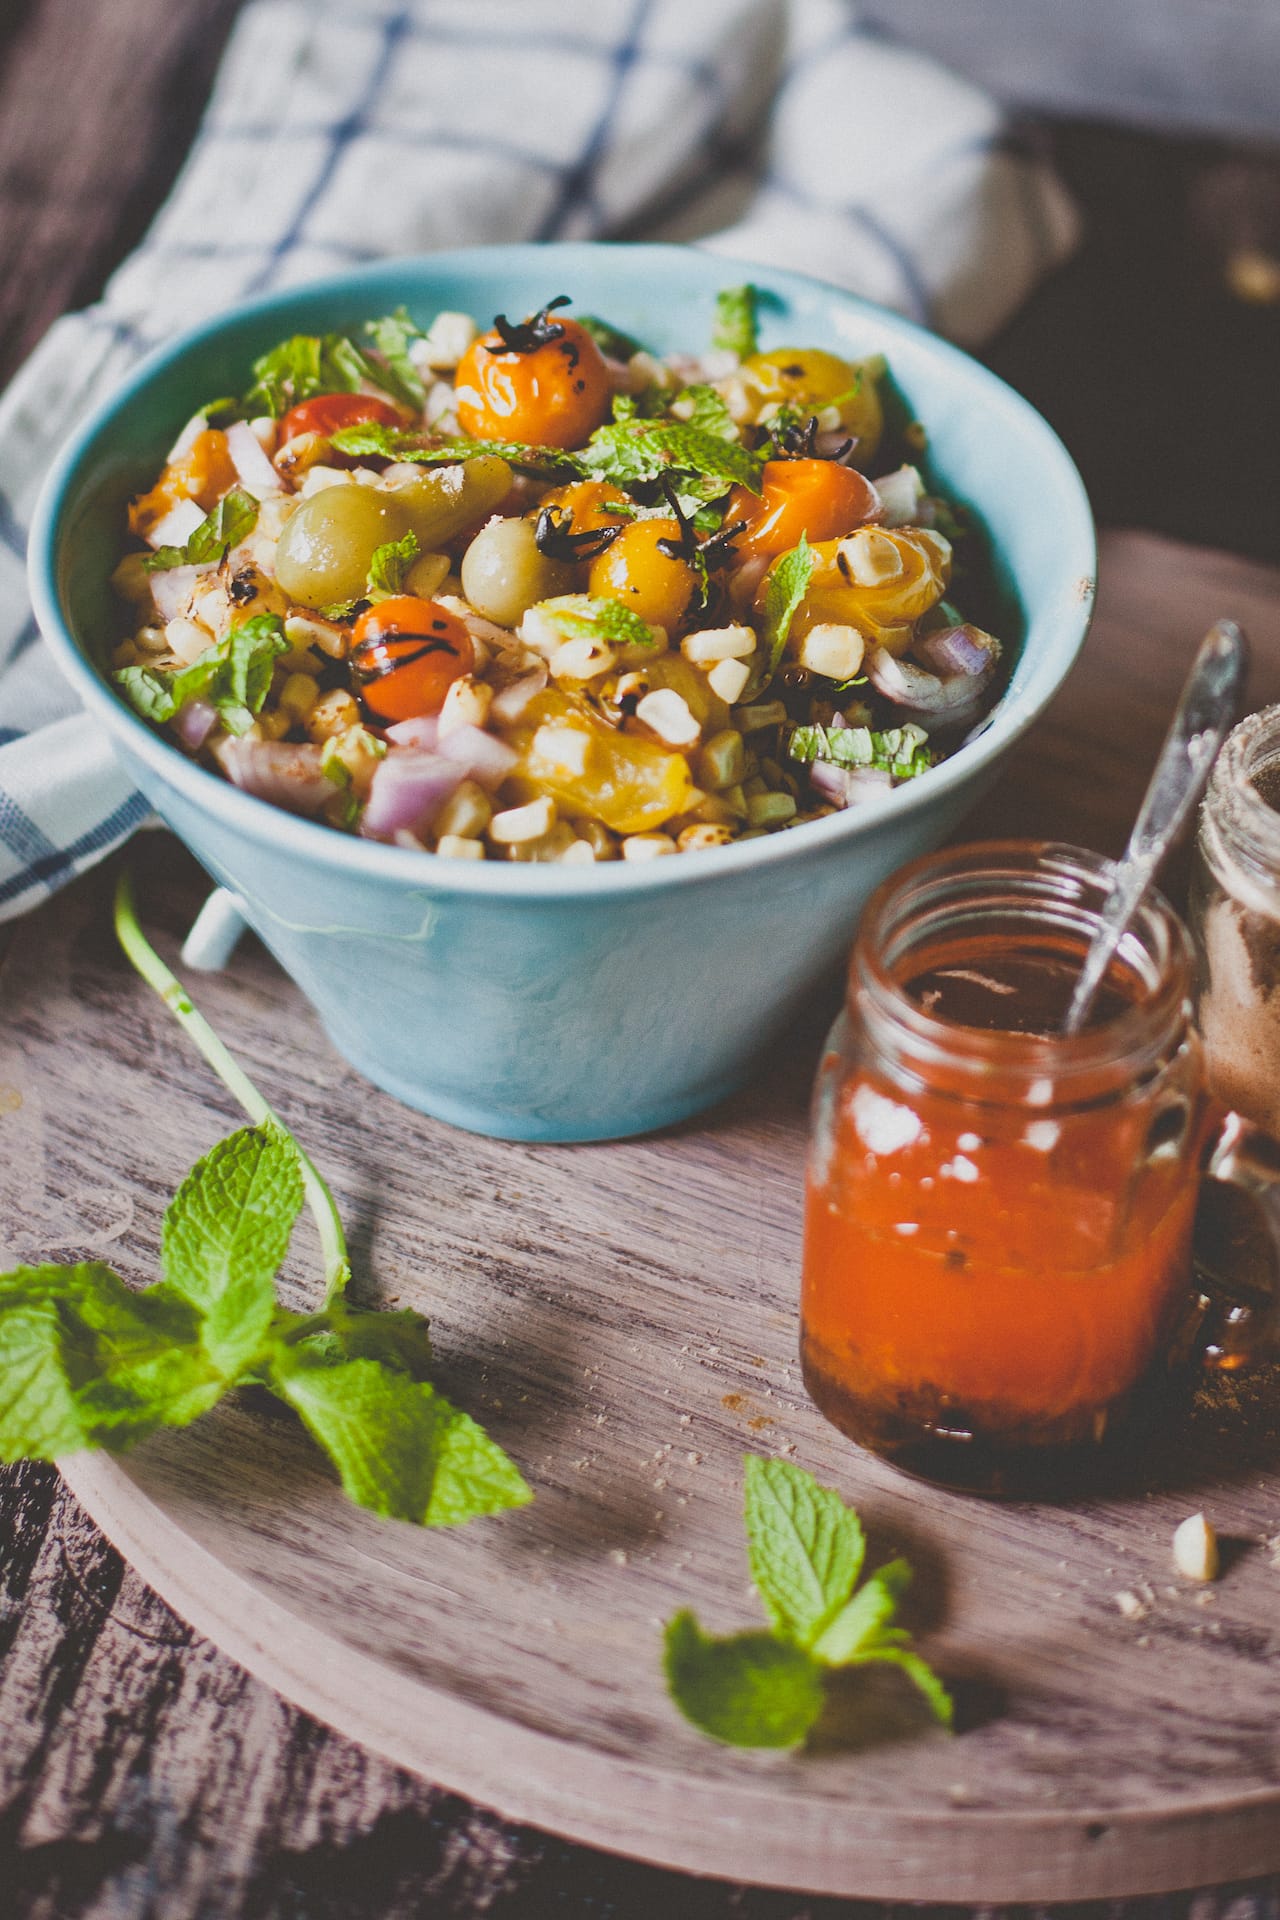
342,130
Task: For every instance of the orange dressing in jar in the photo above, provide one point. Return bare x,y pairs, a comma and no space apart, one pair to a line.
998,1223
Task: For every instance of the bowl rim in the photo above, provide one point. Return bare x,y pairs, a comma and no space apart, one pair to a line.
265,823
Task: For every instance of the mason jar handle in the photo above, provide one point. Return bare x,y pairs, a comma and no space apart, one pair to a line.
1237,1249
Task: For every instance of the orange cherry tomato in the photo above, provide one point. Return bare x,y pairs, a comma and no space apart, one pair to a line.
554,395
328,413
818,498
635,570
205,472
587,505
406,653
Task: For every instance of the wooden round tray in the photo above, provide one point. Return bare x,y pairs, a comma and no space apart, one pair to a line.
623,1318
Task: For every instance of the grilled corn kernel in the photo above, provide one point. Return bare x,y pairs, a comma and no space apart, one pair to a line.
728,678
546,847
563,750
333,713
580,854
697,839
770,809
303,630
187,639
666,713
1195,1549
712,644
598,837
582,660
769,713
151,640
647,846
455,846
722,760
519,824
447,339
131,579
298,696
831,650
466,704
465,814
427,575
360,753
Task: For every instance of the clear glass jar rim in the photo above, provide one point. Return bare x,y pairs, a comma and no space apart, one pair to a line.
1234,811
1033,877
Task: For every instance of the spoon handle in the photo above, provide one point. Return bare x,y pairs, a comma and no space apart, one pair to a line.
1208,706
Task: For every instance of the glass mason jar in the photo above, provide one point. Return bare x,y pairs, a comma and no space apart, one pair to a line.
999,1218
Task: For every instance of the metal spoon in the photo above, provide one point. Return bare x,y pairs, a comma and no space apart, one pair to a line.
1209,703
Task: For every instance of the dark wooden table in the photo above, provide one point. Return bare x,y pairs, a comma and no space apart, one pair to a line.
141,1772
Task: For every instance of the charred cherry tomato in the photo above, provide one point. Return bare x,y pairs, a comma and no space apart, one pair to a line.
550,395
808,379
406,654
330,412
818,498
635,570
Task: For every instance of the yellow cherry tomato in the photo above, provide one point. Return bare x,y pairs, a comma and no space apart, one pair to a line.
809,379
552,395
635,570
625,781
877,579
587,505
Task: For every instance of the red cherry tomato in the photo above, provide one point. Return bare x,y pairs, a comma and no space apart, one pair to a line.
818,498
406,653
554,395
328,413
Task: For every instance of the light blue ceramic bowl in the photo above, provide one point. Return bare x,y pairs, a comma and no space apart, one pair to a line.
535,1002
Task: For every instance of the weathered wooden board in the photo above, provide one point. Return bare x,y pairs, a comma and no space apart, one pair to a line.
623,1317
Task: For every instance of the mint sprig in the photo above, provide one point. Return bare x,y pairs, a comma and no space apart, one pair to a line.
787,586
231,521
309,364
583,616
233,676
806,1548
392,337
85,1361
370,439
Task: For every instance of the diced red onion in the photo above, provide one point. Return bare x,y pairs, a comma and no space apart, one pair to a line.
171,590
866,783
830,781
836,441
745,578
408,790
422,731
250,462
176,527
900,494
922,692
952,650
194,722
480,755
510,703
288,775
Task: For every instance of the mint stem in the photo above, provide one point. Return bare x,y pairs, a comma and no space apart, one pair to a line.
333,1243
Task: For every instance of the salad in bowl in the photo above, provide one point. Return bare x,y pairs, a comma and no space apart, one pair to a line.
525,589
342,767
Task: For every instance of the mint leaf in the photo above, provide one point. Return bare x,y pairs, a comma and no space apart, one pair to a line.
85,1361
751,1690
231,521
392,336
581,616
788,583
710,413
473,1475
368,438
399,1447
921,1675
766,1689
389,564
233,675
309,364
806,1547
631,452
866,1615
735,323
902,751
226,1231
